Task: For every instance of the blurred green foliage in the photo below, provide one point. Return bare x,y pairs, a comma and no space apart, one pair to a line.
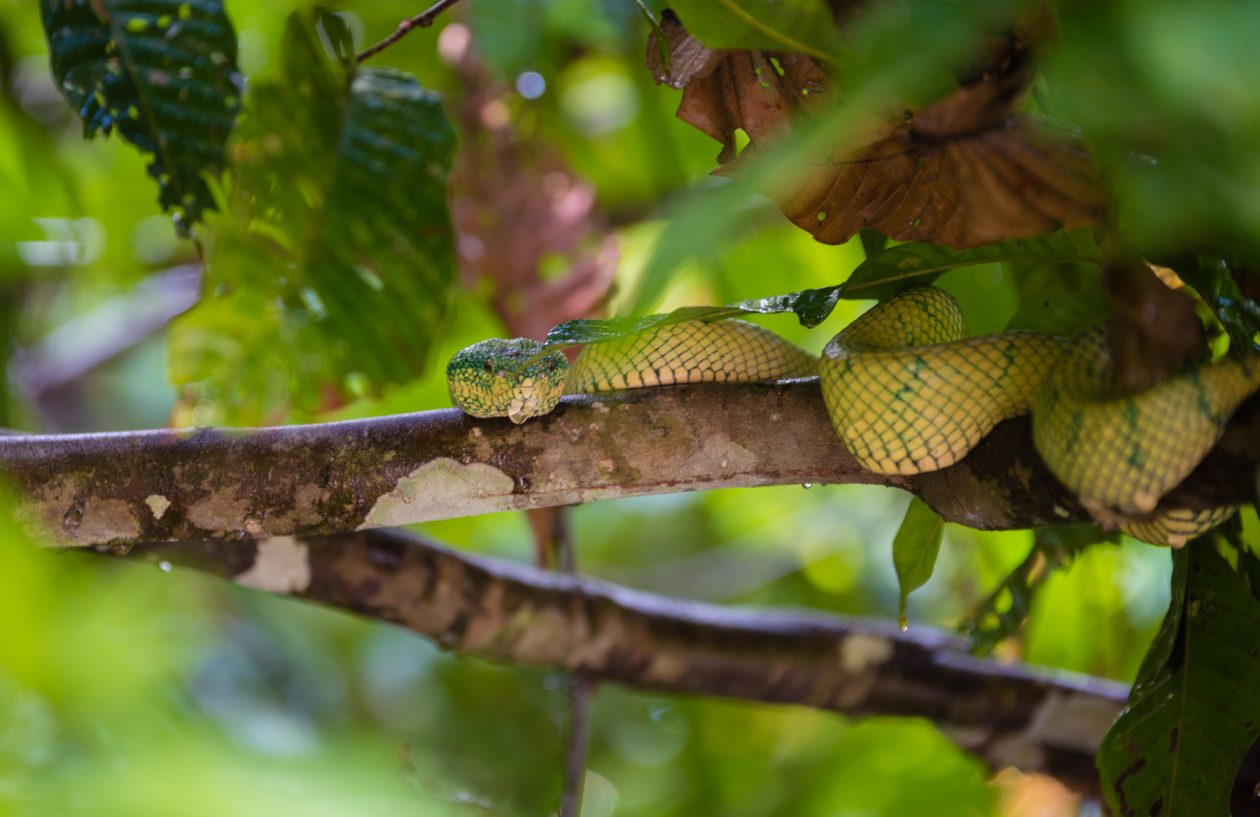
125,689
334,237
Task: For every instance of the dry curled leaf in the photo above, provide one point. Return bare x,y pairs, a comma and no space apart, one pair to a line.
965,170
759,92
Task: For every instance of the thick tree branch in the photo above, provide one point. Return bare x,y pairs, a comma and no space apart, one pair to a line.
302,480
1010,715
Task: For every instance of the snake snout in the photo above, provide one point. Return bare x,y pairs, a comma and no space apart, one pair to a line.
506,378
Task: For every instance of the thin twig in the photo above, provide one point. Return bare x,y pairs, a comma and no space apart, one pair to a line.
581,689
421,20
580,694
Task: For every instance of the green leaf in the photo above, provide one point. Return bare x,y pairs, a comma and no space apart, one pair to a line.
873,241
886,273
1214,279
161,72
803,26
1003,612
915,548
1058,298
918,263
336,239
1195,708
811,306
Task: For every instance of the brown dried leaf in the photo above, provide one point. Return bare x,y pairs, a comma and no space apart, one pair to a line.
963,171
688,57
759,92
1013,179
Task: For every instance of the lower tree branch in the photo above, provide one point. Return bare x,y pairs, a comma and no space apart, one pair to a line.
92,489
1008,714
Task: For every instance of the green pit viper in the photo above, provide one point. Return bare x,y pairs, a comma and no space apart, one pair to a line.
909,392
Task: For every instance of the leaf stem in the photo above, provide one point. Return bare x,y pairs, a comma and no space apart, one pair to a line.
422,20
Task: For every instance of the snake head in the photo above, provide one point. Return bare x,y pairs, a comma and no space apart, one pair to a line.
488,380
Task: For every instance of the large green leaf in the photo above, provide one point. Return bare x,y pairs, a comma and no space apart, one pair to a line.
803,26
1195,709
161,72
918,263
915,548
332,267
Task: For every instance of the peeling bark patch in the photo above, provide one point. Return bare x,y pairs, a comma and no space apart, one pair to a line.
440,489
219,511
104,520
67,512
718,454
158,504
860,652
281,566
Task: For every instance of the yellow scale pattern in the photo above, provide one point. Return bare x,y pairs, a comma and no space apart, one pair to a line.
908,392
938,392
728,351
1124,455
1177,526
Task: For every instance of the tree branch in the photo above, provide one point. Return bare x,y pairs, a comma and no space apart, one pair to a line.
1010,715
94,489
422,20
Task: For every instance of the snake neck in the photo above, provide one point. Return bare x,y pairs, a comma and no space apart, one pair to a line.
728,351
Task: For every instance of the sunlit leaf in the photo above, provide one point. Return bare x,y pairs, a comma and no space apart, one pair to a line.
331,269
1195,709
915,548
161,72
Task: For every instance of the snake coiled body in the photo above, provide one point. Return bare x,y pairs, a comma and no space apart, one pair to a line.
908,392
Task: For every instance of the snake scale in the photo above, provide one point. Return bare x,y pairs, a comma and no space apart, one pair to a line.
909,392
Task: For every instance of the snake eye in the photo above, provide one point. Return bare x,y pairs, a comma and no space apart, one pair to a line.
489,365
